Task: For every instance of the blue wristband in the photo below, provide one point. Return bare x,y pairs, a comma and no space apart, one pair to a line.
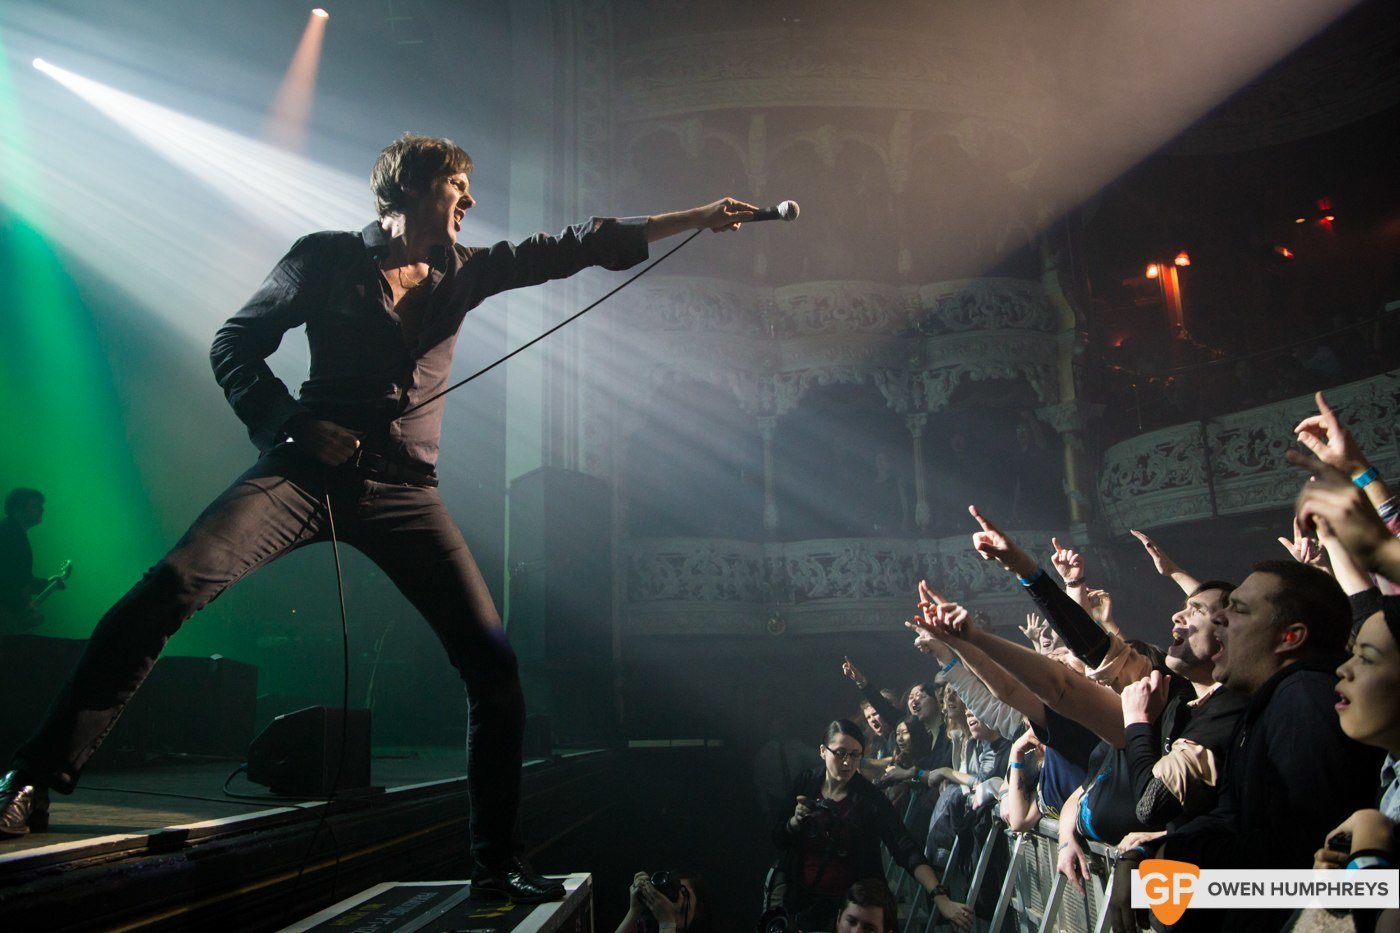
950,665
1368,861
1017,764
1027,581
1366,479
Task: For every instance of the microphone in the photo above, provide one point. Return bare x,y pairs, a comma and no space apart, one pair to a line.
787,210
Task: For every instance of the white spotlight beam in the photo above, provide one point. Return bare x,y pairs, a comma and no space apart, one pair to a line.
285,193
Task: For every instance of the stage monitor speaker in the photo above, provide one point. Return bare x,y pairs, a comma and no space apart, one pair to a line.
299,753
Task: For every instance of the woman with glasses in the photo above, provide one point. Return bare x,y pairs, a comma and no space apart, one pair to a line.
832,837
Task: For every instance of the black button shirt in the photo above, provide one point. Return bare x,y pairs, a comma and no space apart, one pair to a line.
363,374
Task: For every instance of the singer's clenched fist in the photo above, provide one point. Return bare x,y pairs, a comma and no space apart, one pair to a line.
724,214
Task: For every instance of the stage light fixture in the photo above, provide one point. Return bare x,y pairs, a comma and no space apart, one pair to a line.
1329,218
1300,220
321,13
1153,270
1183,259
1284,252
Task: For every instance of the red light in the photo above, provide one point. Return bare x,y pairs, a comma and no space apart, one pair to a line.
1329,218
1182,259
1153,271
1284,252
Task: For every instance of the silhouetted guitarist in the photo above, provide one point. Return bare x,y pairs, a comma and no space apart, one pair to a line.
24,508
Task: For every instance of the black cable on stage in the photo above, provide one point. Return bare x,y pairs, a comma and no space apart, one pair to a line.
344,705
571,318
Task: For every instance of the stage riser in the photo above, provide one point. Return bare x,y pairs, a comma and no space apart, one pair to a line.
241,873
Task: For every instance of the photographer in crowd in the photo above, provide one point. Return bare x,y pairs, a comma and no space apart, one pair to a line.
667,902
833,835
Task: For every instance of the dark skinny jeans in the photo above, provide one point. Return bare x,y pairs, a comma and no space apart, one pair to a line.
272,509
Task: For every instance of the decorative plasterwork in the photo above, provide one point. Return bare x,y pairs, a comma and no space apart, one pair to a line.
680,585
916,344
1236,463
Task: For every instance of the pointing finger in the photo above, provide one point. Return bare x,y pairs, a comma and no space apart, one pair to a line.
982,519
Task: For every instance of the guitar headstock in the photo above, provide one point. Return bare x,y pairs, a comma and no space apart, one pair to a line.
65,570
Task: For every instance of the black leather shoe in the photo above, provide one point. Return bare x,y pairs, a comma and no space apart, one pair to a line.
521,867
513,884
24,806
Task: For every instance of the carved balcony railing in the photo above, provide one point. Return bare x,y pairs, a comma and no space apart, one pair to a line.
916,344
1235,463
714,586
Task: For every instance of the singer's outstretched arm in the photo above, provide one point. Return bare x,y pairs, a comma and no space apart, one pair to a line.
724,214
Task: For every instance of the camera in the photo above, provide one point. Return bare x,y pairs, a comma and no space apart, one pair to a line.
776,920
668,883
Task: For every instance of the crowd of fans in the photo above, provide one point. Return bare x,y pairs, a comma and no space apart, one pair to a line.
1261,731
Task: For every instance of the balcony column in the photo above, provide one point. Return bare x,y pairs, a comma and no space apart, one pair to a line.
767,424
1070,420
916,423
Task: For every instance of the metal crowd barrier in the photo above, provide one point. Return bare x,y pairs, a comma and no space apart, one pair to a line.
1032,896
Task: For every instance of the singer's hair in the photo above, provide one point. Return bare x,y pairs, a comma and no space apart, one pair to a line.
409,165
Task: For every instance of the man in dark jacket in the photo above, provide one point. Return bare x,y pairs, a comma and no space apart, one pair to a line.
1292,775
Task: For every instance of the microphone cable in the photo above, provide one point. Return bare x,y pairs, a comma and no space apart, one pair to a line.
568,320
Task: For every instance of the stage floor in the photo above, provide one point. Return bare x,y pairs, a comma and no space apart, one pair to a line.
179,792
162,846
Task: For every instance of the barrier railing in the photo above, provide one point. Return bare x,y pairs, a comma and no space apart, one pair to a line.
1033,897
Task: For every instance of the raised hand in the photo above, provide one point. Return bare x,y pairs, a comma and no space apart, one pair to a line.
1068,563
1164,564
1034,628
1328,439
928,595
1143,700
1101,609
994,544
946,621
1332,501
926,643
1305,548
853,672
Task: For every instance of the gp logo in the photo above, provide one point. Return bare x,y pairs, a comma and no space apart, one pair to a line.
1168,886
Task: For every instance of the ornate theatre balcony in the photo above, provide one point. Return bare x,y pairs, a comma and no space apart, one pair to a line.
711,586
1235,463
